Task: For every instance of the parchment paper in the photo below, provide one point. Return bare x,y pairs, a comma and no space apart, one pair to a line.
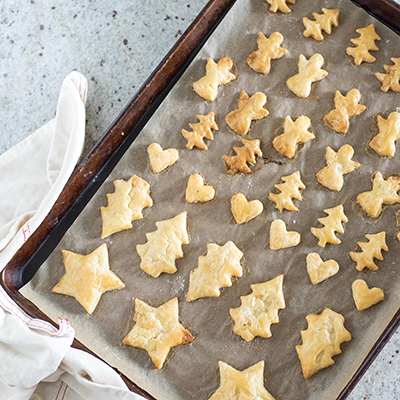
192,370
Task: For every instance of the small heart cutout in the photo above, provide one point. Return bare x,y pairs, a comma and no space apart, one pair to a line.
244,210
161,159
319,270
197,191
365,297
280,238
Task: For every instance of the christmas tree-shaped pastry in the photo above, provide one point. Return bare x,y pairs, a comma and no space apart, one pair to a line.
332,223
323,22
370,250
259,310
164,246
244,155
200,131
289,190
364,44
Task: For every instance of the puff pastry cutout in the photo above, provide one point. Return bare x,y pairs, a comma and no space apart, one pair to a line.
125,205
161,159
365,297
390,80
241,385
215,270
384,191
164,246
321,341
280,5
309,71
370,250
157,330
323,22
87,277
364,44
249,108
332,223
319,270
244,155
338,164
216,74
259,310
345,107
294,133
197,191
280,238
200,131
289,190
268,49
244,210
384,143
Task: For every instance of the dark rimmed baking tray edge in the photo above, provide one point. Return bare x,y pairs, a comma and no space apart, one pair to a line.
97,165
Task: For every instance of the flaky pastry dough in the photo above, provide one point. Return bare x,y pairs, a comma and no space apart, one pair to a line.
164,246
364,44
244,210
319,270
215,270
323,22
384,143
161,159
157,330
365,297
280,238
259,309
321,341
390,80
244,155
87,277
197,191
201,131
280,5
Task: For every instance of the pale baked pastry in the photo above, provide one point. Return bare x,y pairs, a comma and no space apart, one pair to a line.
215,270
294,133
338,164
250,108
241,385
364,44
323,22
345,107
161,159
280,5
384,191
244,155
125,205
87,277
289,190
197,191
365,297
200,131
319,270
268,49
384,143
244,210
321,341
259,309
309,71
332,223
216,74
157,330
391,79
370,250
280,238
164,246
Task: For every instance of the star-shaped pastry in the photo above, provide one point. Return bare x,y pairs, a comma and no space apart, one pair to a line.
157,330
238,385
87,277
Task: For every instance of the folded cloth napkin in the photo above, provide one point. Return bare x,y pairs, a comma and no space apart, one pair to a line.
37,361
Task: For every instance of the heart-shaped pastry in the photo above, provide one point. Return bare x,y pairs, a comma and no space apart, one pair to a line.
319,270
244,210
280,238
161,159
197,191
365,297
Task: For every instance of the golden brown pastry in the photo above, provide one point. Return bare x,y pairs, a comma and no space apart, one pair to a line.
244,210
384,143
197,191
319,270
200,131
323,22
244,155
364,44
390,80
365,297
161,159
280,238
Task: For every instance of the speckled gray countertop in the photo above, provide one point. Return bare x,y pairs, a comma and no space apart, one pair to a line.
116,45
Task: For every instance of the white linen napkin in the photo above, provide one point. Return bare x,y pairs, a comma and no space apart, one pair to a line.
37,361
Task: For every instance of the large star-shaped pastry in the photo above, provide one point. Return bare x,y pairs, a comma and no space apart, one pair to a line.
157,330
237,385
87,277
